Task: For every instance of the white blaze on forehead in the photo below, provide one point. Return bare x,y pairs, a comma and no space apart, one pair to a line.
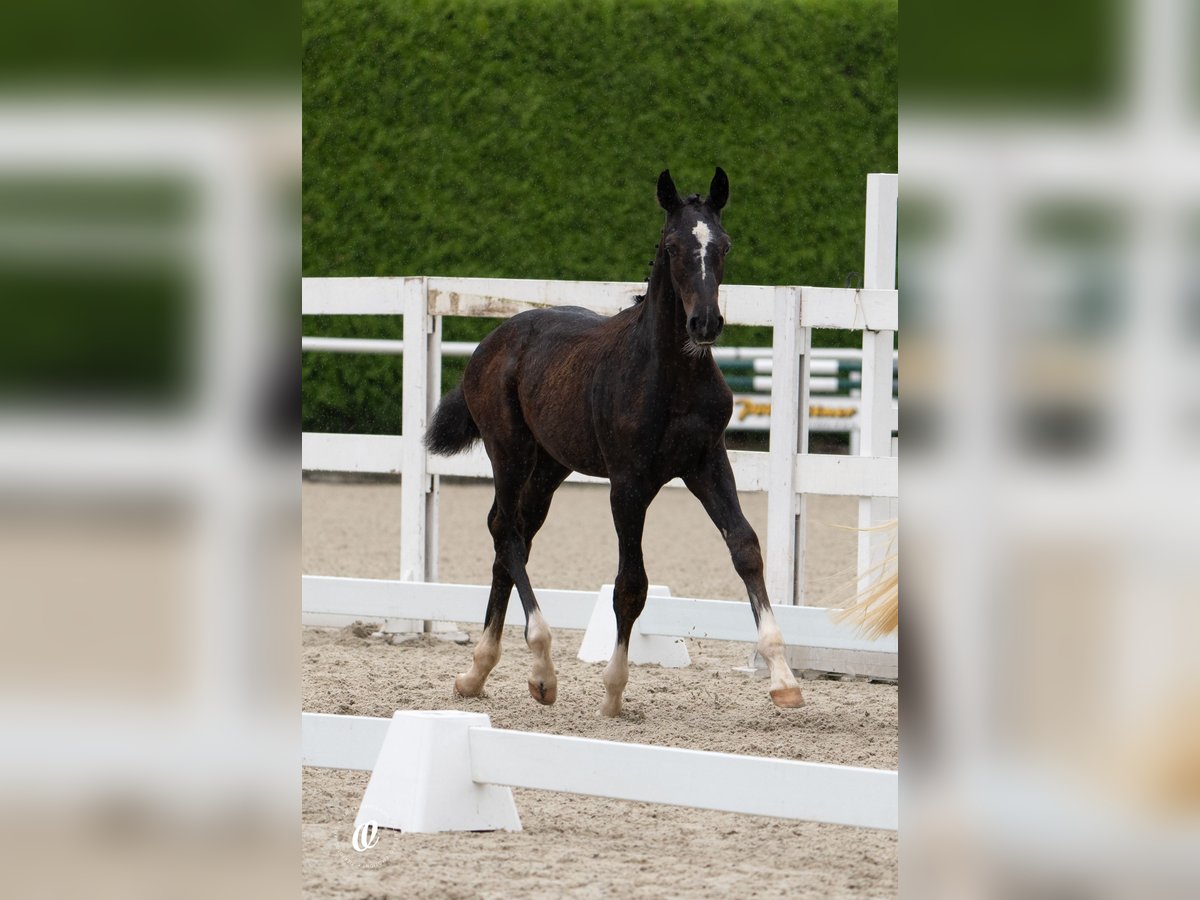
703,236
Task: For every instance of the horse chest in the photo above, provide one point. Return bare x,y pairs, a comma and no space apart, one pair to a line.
693,430
694,422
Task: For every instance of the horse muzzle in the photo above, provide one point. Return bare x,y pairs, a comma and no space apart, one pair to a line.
705,327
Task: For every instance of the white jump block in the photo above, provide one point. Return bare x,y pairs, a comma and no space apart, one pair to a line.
644,649
422,781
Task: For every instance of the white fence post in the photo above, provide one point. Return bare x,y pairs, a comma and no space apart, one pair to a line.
789,381
433,396
422,390
415,391
414,482
415,487
800,526
875,438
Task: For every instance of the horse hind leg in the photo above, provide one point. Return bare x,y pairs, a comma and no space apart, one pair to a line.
629,592
487,651
534,505
517,473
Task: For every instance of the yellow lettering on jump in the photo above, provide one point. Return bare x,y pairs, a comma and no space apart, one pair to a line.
748,408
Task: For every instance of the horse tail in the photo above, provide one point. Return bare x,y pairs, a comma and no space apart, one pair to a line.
452,429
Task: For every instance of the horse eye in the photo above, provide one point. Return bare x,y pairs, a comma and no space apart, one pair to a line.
671,249
728,247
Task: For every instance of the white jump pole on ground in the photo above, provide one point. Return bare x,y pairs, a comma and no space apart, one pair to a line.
435,771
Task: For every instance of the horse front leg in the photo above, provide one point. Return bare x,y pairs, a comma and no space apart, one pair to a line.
714,487
629,505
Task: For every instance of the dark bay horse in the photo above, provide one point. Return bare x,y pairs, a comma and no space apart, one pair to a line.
635,398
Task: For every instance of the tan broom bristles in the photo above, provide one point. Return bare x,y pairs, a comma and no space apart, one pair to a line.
876,610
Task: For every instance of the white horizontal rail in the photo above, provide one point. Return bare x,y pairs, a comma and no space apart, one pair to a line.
352,296
373,598
743,304
823,360
847,476
377,346
720,620
728,620
380,454
858,310
723,782
504,297
341,742
124,452
818,473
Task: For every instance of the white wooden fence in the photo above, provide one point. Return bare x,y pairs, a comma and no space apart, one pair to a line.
788,472
664,616
836,414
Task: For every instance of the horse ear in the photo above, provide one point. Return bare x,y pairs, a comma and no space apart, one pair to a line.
668,197
718,191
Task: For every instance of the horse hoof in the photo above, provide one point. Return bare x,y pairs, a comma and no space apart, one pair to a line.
787,698
462,691
610,711
543,693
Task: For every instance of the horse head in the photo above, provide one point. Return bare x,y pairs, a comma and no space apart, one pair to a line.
695,245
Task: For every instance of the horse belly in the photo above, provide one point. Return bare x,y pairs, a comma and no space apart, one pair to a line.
555,407
566,435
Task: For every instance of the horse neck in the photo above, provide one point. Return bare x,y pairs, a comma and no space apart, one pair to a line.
663,325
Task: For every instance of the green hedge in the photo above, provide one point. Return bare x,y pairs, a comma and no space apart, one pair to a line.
523,139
